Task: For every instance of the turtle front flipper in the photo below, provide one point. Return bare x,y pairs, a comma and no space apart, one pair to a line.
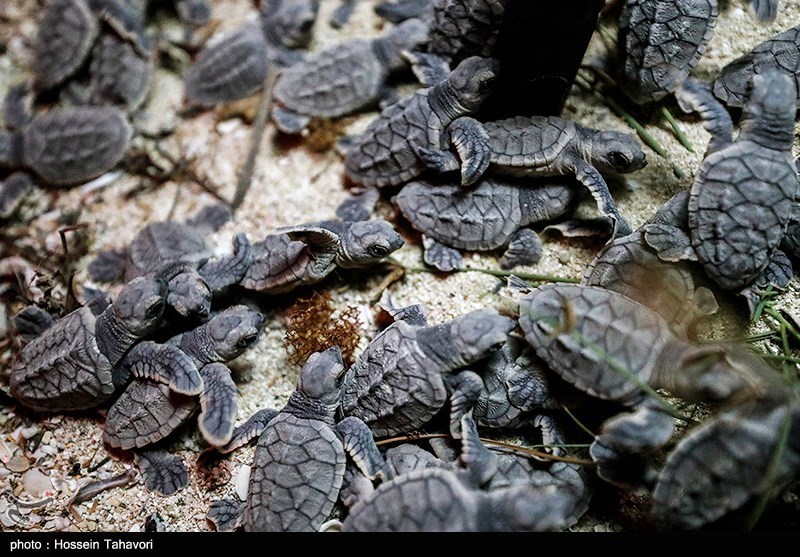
163,473
10,149
358,206
226,514
401,10
479,463
671,244
164,363
474,147
441,257
211,217
524,248
429,69
194,13
360,445
594,182
466,388
322,244
218,404
17,106
627,437
696,96
764,10
222,272
288,121
342,14
251,429
109,266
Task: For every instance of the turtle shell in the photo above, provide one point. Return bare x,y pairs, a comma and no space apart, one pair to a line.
75,144
65,37
595,339
464,28
739,207
166,242
660,42
529,145
119,74
297,472
481,218
63,369
231,69
393,386
781,52
145,413
430,500
334,82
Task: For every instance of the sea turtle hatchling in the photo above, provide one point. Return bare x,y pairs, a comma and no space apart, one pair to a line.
344,78
169,376
781,53
13,191
438,499
67,146
404,376
541,146
614,348
306,254
179,253
743,195
660,41
492,215
69,365
388,152
299,461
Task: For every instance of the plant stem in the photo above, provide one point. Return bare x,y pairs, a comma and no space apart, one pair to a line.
676,129
588,431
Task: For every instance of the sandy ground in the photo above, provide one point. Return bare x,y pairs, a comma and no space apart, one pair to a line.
46,458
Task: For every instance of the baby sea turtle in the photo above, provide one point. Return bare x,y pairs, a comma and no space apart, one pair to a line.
170,375
344,78
744,192
401,10
780,53
13,191
403,378
236,66
119,75
69,365
306,254
389,151
660,41
464,28
67,146
613,348
765,10
299,462
437,499
179,253
552,146
493,215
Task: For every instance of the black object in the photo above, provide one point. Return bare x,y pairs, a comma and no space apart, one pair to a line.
540,47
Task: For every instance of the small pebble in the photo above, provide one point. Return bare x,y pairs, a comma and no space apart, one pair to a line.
6,452
91,525
48,435
564,258
112,501
29,432
61,523
18,464
36,483
242,480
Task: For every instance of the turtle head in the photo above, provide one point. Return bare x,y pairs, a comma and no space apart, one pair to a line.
616,152
140,305
320,378
479,332
473,81
234,330
289,23
189,294
768,115
365,243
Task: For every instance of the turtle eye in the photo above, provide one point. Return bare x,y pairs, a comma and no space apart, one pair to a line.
246,341
618,160
487,82
377,251
155,310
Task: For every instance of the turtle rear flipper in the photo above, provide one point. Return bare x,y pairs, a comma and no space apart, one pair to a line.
429,69
358,206
211,217
289,122
226,514
218,404
672,244
163,473
251,429
32,321
441,257
163,363
524,248
109,266
775,277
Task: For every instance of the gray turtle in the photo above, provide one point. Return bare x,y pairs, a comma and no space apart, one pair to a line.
552,146
194,13
389,151
494,215
403,378
464,28
743,195
764,10
119,74
437,499
236,66
306,254
168,376
342,79
660,41
614,348
728,460
630,266
401,10
68,146
780,53
179,253
69,365
13,192
299,462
